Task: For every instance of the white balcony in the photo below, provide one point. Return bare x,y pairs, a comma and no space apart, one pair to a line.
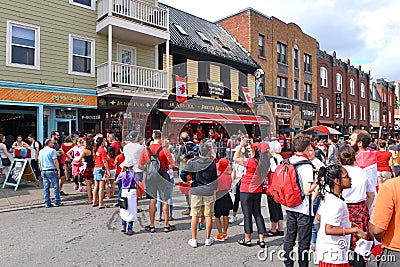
130,79
133,20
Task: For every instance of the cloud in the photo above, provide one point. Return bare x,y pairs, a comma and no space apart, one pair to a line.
365,31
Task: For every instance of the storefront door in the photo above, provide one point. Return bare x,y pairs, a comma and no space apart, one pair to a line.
65,127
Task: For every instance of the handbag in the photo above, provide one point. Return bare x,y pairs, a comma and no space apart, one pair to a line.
5,162
123,201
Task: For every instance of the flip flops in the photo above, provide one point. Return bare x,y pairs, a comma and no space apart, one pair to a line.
244,242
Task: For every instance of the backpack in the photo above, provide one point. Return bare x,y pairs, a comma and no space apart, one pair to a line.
154,167
285,186
40,145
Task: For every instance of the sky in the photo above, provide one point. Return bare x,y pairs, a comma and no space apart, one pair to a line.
365,31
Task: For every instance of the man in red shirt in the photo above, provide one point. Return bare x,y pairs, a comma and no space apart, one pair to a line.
157,184
112,142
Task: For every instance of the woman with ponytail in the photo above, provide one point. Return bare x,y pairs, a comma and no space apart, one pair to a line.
333,237
101,171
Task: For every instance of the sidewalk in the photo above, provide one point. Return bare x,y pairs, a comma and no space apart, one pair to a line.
31,194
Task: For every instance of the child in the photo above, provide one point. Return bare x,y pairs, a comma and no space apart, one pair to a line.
128,179
76,151
223,203
333,237
113,170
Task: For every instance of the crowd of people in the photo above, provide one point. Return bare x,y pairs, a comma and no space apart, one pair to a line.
338,187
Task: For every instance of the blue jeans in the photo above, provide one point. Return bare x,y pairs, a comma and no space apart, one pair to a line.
159,203
317,201
51,178
130,224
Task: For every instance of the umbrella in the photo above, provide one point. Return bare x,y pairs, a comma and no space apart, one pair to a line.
394,147
321,129
287,130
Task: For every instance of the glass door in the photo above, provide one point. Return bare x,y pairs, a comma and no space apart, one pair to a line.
64,128
126,56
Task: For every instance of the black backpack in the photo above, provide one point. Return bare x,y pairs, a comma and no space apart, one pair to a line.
40,145
154,167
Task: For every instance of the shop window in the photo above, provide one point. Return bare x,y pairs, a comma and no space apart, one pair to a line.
81,55
65,114
23,43
121,123
14,122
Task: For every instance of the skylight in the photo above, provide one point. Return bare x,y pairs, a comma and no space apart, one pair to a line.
203,37
180,29
222,44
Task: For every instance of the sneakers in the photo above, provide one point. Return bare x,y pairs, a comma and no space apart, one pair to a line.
49,206
81,189
192,243
232,219
201,226
242,223
209,241
130,232
76,187
58,204
123,229
221,237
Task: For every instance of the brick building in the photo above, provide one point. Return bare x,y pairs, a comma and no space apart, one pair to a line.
343,94
288,57
386,91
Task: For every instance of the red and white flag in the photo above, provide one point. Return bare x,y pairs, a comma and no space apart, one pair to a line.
181,89
247,96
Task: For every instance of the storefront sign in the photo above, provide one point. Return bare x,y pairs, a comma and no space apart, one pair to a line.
308,112
123,103
209,105
90,117
31,96
338,103
283,110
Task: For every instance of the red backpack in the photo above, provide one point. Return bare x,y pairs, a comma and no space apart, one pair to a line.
285,186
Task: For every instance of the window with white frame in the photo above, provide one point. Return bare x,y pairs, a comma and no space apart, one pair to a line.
352,91
354,111
361,110
307,63
281,53
81,55
371,114
324,77
365,115
390,116
390,100
327,107
23,45
296,58
338,82
321,106
362,89
84,3
307,92
349,111
342,105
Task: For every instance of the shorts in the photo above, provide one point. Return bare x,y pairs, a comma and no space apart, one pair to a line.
62,172
158,185
200,203
98,174
223,205
112,175
383,176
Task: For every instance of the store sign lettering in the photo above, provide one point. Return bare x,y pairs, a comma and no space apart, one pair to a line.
338,103
67,98
308,113
283,110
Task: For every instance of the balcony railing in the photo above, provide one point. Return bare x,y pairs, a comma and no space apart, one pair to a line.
132,76
135,10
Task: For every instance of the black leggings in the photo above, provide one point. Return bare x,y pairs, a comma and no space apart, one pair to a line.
275,210
78,179
251,206
237,198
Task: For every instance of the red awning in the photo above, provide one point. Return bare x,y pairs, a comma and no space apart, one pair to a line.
222,118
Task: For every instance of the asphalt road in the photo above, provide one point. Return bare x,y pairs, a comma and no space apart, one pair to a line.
80,235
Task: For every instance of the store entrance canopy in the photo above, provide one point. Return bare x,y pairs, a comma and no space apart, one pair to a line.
222,118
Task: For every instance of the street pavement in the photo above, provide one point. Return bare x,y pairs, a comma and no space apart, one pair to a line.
80,235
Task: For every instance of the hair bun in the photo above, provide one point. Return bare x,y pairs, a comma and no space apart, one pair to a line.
322,172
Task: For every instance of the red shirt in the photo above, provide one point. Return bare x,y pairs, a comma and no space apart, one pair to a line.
115,145
383,161
120,158
251,180
165,156
98,158
224,181
111,163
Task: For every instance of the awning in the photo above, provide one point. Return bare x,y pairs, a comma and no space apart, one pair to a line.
222,118
326,121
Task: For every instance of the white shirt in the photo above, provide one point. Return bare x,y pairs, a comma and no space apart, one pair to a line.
317,163
360,185
33,147
132,151
306,175
330,248
273,165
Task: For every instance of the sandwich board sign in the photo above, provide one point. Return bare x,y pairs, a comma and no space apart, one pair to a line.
19,169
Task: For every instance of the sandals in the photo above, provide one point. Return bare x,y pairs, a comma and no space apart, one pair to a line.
169,228
244,242
280,233
151,229
270,233
95,205
261,244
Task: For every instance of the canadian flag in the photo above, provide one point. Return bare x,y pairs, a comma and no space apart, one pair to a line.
181,89
247,96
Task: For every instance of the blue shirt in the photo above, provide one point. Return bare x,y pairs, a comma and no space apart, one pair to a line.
46,157
128,178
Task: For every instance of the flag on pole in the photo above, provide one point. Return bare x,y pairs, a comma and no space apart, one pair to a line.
247,96
181,89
